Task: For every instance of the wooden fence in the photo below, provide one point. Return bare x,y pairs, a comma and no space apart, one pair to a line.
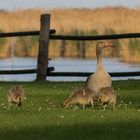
45,34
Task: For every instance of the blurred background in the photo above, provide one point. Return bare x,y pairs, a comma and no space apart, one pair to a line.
80,17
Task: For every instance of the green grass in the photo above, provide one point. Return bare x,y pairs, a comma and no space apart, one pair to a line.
42,118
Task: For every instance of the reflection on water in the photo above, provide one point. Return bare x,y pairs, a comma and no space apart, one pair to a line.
66,65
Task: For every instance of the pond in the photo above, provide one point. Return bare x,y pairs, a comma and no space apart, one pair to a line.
64,65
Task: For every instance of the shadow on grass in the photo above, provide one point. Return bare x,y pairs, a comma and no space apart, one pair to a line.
115,131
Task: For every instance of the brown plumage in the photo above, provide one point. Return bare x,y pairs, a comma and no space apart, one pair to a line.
16,95
107,96
80,97
100,78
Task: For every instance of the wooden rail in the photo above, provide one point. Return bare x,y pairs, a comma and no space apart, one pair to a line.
85,74
25,71
25,33
93,38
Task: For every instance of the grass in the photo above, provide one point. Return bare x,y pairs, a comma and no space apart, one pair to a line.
41,117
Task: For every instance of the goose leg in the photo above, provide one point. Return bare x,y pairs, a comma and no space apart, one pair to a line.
83,107
104,106
114,106
92,103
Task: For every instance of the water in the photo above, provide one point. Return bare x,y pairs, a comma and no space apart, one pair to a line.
63,65
18,64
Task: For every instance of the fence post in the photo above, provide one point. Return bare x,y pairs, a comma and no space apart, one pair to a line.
42,63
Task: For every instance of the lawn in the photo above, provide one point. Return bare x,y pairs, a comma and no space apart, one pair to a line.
42,118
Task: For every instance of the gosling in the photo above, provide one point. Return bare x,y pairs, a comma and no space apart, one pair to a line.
80,97
16,95
107,96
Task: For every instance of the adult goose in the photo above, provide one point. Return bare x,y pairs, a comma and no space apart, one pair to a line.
100,78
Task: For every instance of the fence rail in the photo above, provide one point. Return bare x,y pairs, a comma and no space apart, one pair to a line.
97,37
25,33
85,74
25,71
71,37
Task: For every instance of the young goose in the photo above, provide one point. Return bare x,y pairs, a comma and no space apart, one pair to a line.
107,96
80,97
16,95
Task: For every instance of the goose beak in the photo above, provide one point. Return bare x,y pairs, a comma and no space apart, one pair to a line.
108,44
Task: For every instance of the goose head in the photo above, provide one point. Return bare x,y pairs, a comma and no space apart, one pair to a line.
100,46
104,44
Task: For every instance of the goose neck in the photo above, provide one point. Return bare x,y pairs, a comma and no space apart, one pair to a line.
99,55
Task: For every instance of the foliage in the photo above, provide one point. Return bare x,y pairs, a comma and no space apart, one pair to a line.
27,46
2,40
134,46
75,20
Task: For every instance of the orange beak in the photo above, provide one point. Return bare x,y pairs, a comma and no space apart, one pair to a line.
108,44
